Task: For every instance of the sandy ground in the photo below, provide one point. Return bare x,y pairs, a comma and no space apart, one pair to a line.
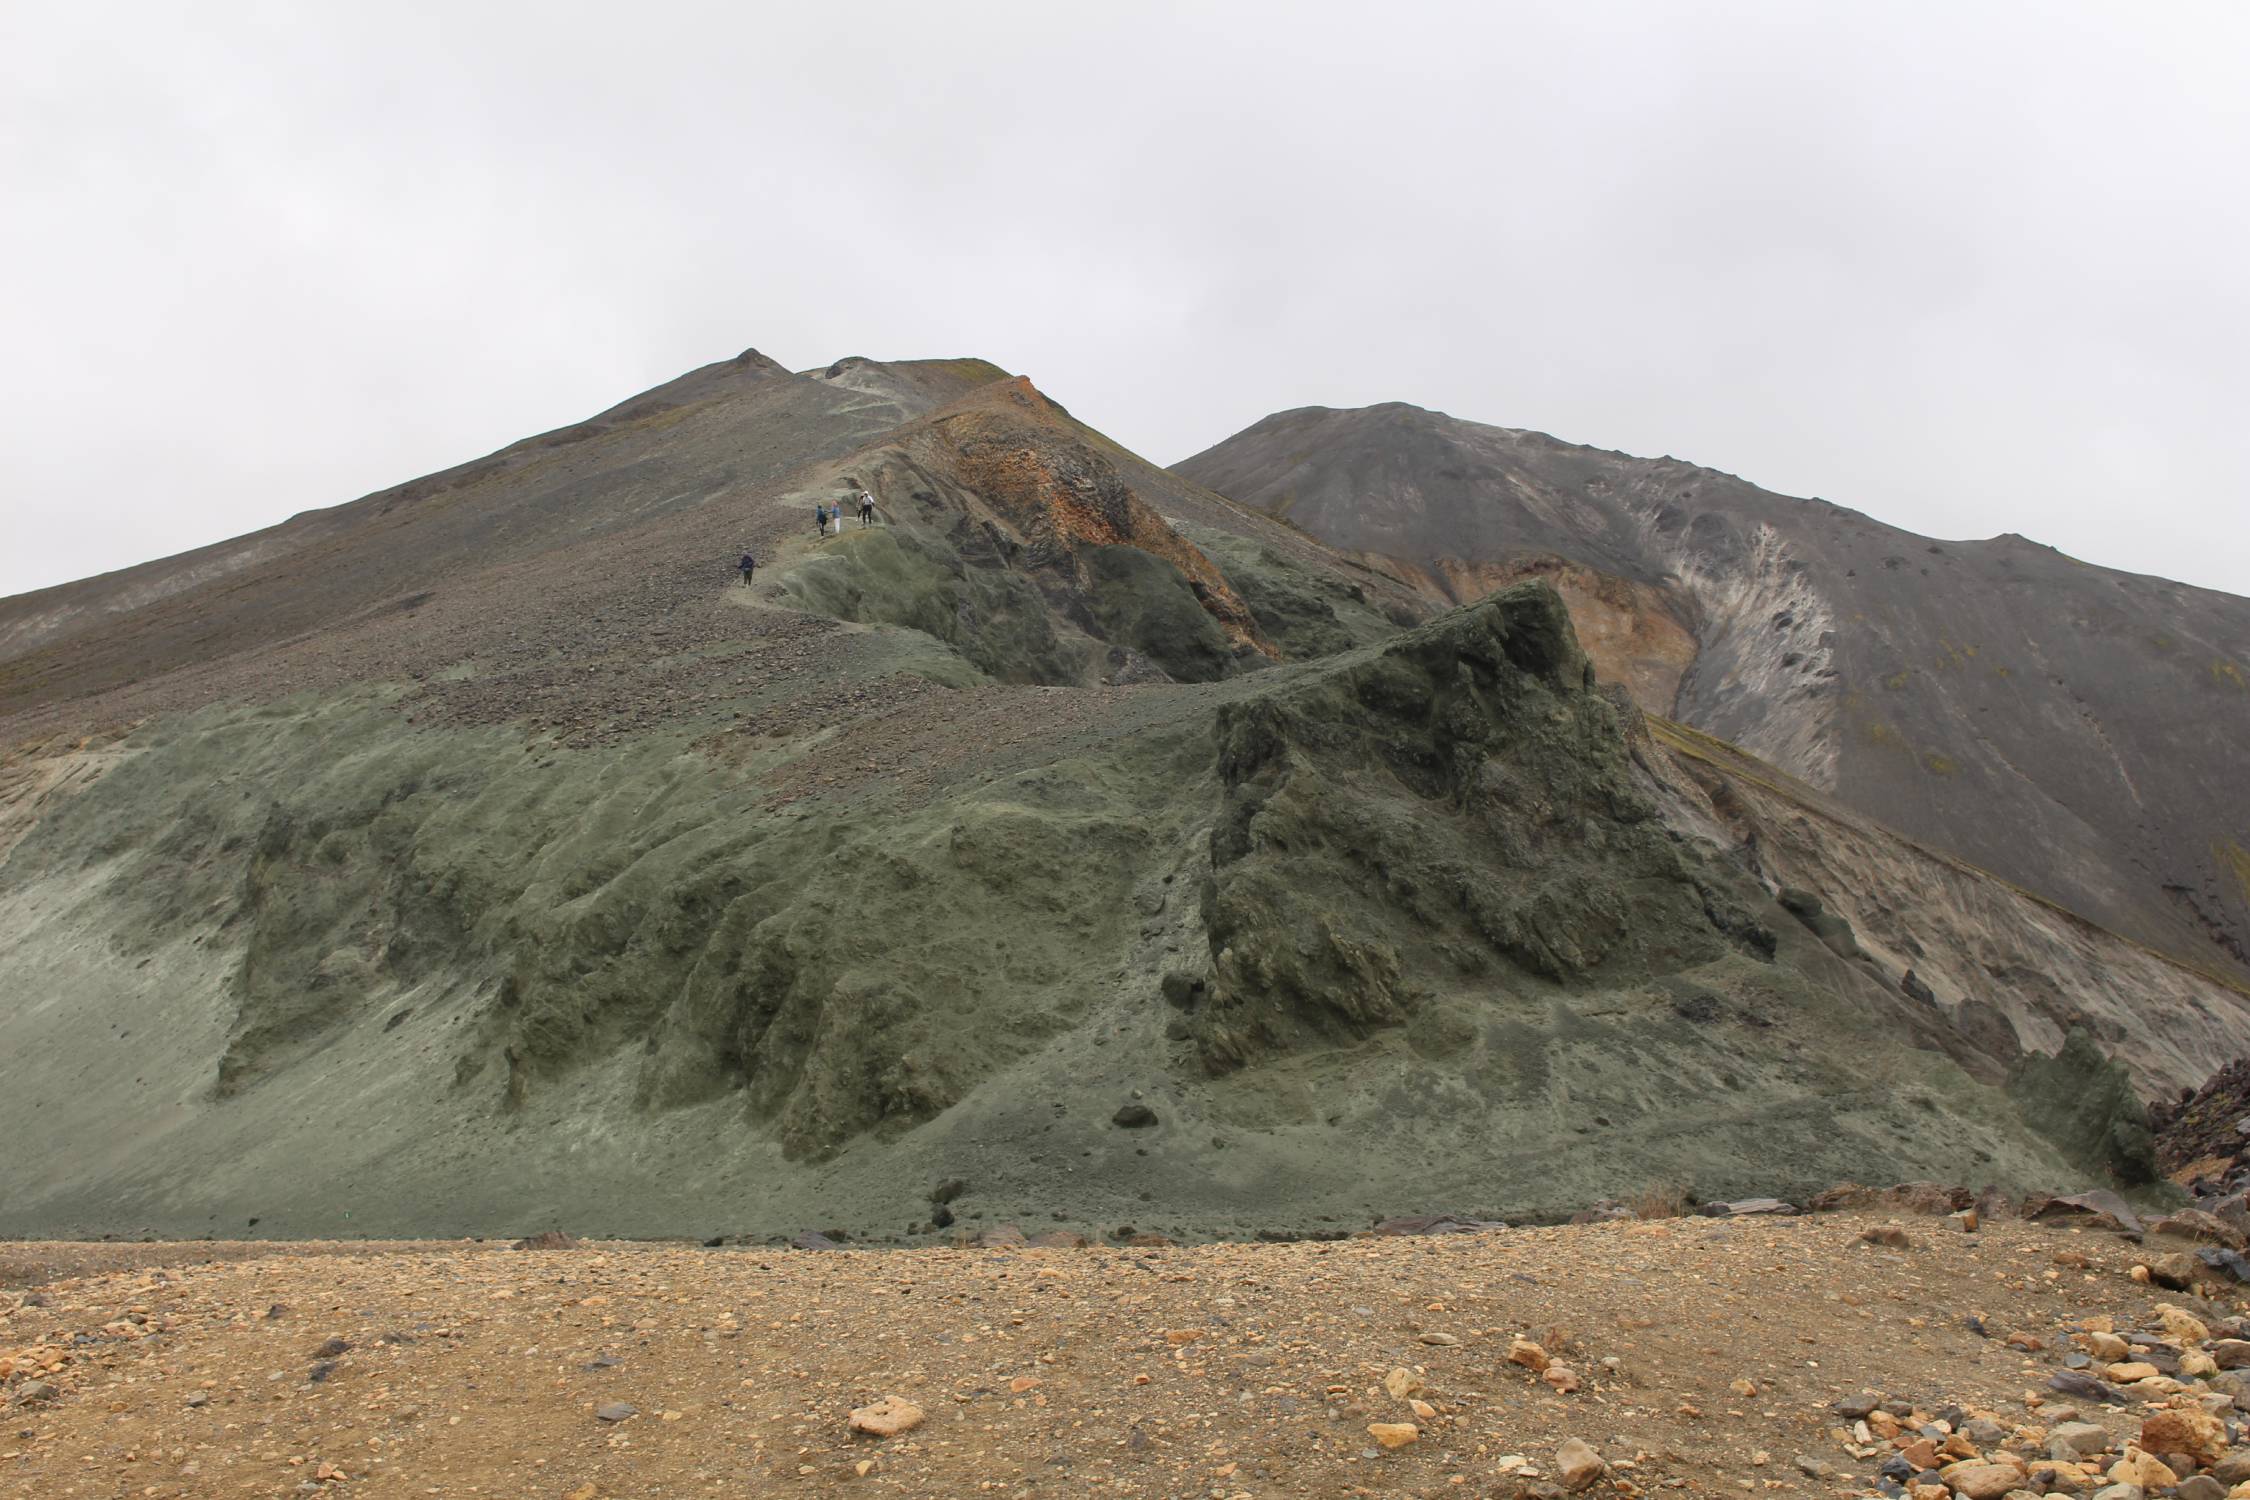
1226,1370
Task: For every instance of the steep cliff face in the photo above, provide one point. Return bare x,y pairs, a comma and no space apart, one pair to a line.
2074,729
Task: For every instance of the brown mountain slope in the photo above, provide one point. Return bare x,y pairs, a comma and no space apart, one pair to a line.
549,872
2083,732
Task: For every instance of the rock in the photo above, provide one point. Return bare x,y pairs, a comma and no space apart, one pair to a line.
2234,1384
546,1239
1394,1434
2200,1487
1742,1207
2119,1492
2143,1469
2175,1270
2180,1325
320,1371
1577,1464
198,1399
2099,1209
2106,1347
2227,1262
1134,1117
886,1418
2195,1224
2126,1374
1562,1377
1964,1220
1853,1408
1813,1468
1434,1224
948,1190
941,1217
2079,1438
1842,1196
1441,1340
1528,1354
2190,1430
1888,1235
2233,1469
1058,1239
615,1411
332,1348
813,1239
1403,1383
2082,1387
1002,1237
32,1392
1975,1480
1984,1433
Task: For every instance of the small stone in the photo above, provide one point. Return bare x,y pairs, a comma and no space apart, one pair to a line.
1982,1481
2106,1347
1422,1410
1889,1236
1813,1468
886,1418
1562,1377
1528,1354
1133,1117
199,1398
2176,1270
2079,1438
1394,1434
615,1411
1964,1220
2126,1374
1402,1383
2200,1487
1441,1340
2119,1492
2233,1469
1578,1464
1852,1408
1742,1387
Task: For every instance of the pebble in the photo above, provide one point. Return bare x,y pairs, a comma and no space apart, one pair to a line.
1578,1464
615,1411
887,1418
1394,1434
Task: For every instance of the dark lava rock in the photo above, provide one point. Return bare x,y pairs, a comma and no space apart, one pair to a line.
320,1372
1853,1408
1134,1117
2083,1387
332,1348
948,1190
2226,1261
941,1216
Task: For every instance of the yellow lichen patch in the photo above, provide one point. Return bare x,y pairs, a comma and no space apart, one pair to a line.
2226,674
1940,765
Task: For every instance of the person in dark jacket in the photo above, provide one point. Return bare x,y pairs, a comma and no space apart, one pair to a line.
820,518
749,566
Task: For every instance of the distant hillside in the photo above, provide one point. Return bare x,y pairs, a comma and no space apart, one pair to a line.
2083,732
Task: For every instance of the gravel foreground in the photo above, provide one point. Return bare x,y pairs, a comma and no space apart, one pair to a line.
1686,1355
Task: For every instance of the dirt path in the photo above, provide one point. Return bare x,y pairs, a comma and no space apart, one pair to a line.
1222,1370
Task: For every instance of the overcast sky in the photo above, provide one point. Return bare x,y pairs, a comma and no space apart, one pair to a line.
1969,268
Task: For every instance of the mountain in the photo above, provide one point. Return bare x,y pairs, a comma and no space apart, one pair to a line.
2079,731
483,854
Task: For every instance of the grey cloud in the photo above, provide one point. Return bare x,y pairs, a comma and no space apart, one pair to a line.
1971,269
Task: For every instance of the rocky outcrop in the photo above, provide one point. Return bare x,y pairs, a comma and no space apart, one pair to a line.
2070,728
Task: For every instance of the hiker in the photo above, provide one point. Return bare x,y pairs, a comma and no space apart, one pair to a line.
749,566
820,518
866,509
